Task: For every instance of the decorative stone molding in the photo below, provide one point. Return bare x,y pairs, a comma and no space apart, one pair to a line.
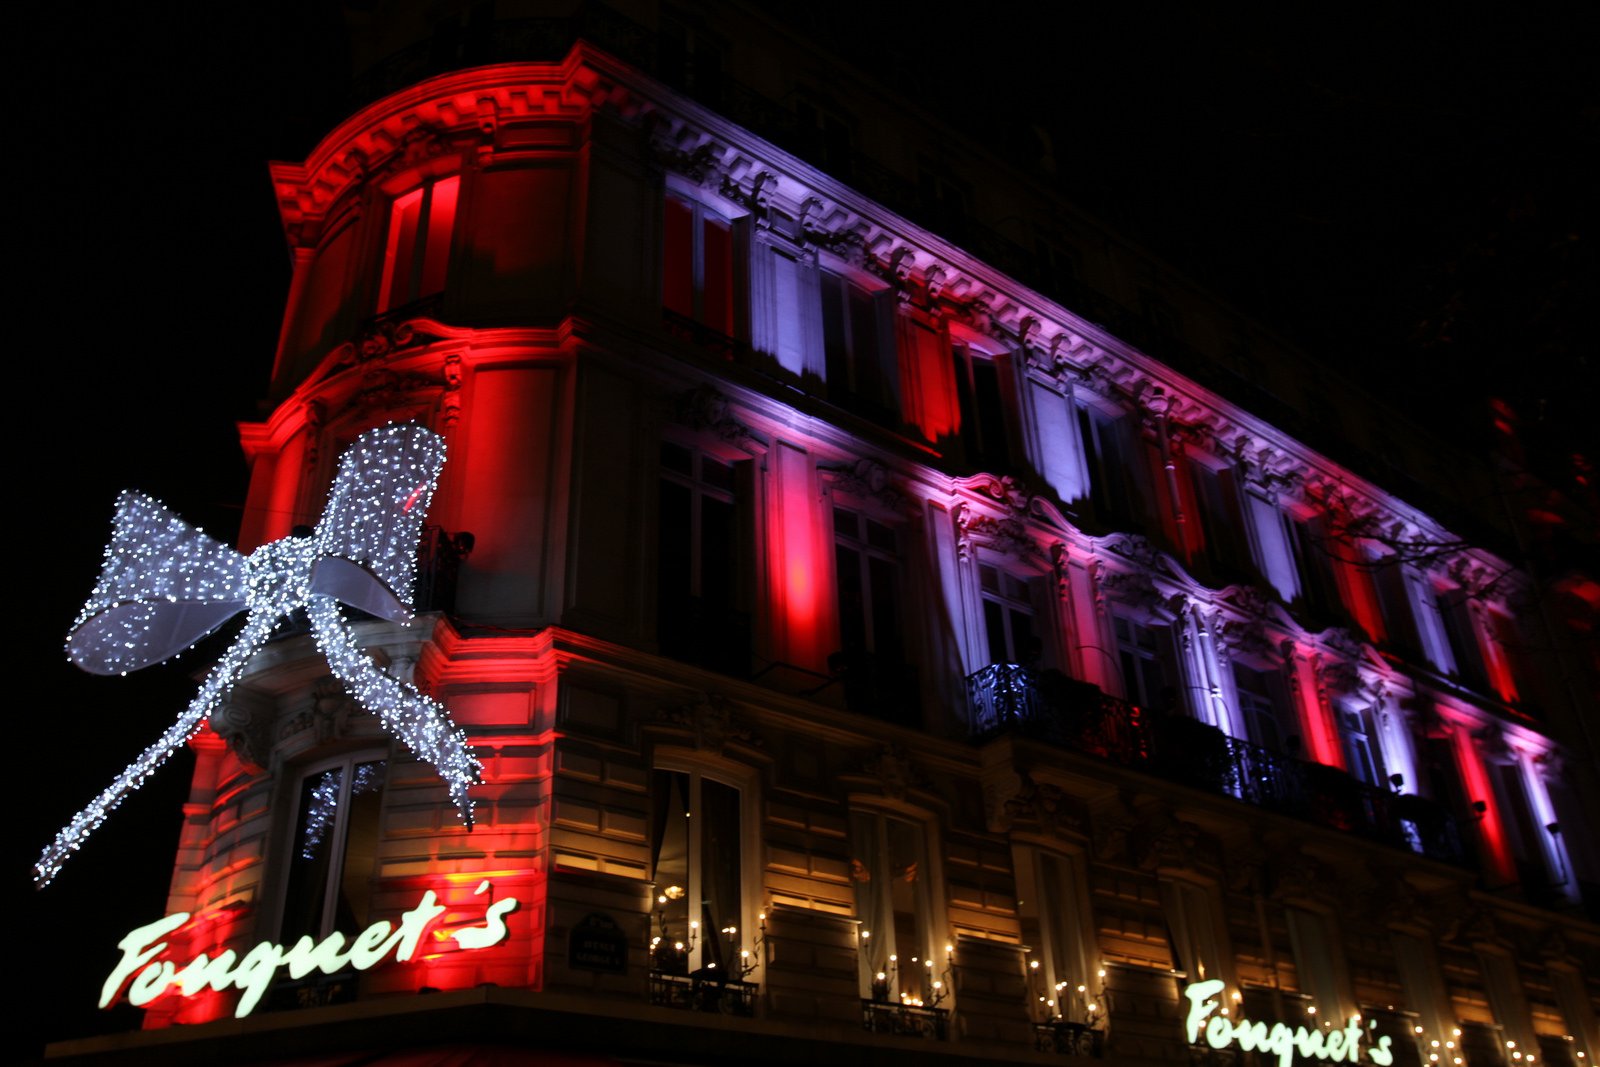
710,721
892,768
868,479
330,713
705,408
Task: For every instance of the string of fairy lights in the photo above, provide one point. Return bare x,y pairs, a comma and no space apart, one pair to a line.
164,585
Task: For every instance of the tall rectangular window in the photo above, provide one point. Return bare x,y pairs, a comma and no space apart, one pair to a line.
1064,976
1259,707
335,850
697,264
871,657
1319,589
1008,617
1361,752
1461,631
1224,549
1144,655
1106,453
697,867
698,563
983,409
894,901
858,343
417,251
1194,922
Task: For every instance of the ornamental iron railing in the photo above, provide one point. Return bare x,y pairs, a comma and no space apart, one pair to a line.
1069,1039
1007,697
703,991
905,1020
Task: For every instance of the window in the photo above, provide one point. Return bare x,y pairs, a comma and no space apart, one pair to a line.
1389,578
1194,923
1106,453
1319,965
1144,655
1319,591
699,561
871,617
894,902
1225,552
858,342
1008,617
1065,979
417,250
1361,753
698,872
1460,630
697,264
1259,704
983,408
335,849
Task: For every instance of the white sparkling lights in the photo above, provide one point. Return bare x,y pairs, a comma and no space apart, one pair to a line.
165,585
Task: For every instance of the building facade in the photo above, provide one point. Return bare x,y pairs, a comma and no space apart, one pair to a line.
869,655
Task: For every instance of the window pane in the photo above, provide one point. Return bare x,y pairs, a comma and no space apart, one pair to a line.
404,218
718,286
441,220
360,847
717,821
677,258
312,859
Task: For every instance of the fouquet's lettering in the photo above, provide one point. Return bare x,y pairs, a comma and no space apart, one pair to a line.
254,973
1334,1046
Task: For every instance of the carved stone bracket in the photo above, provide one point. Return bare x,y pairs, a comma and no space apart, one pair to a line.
891,767
710,721
705,408
868,480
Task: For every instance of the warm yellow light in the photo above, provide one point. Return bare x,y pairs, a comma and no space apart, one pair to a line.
1034,964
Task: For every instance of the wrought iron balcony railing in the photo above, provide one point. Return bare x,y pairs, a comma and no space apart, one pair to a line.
1078,716
703,991
1069,1038
905,1020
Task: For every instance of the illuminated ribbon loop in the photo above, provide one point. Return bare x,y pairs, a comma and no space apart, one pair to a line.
165,585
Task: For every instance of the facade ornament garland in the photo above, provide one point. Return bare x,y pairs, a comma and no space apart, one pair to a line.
1008,535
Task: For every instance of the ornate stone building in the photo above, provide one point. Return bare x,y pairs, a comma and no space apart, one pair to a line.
869,655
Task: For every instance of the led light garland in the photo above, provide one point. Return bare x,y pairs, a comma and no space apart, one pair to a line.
164,585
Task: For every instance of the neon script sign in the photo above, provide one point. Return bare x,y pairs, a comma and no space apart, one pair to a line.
255,972
1334,1046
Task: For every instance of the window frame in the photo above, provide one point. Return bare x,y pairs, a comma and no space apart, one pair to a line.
418,261
292,791
882,406
704,206
933,906
747,783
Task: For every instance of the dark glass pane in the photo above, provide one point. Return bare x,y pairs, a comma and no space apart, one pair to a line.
676,458
718,288
852,606
718,820
994,624
716,474
677,258
835,344
717,552
312,861
362,815
880,536
844,522
884,577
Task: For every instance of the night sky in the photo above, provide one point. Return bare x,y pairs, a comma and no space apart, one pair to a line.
1409,195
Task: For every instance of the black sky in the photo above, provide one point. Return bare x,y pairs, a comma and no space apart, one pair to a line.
1399,191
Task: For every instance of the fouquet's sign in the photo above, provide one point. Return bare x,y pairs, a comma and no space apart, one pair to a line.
1335,1046
254,973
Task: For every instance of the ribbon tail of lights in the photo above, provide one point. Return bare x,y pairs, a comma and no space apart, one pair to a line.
423,725
215,687
165,585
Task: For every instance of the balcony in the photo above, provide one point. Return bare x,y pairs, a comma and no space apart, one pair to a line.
1069,1039
704,990
1008,698
905,1020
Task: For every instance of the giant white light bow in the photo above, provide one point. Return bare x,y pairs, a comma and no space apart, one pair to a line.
165,585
